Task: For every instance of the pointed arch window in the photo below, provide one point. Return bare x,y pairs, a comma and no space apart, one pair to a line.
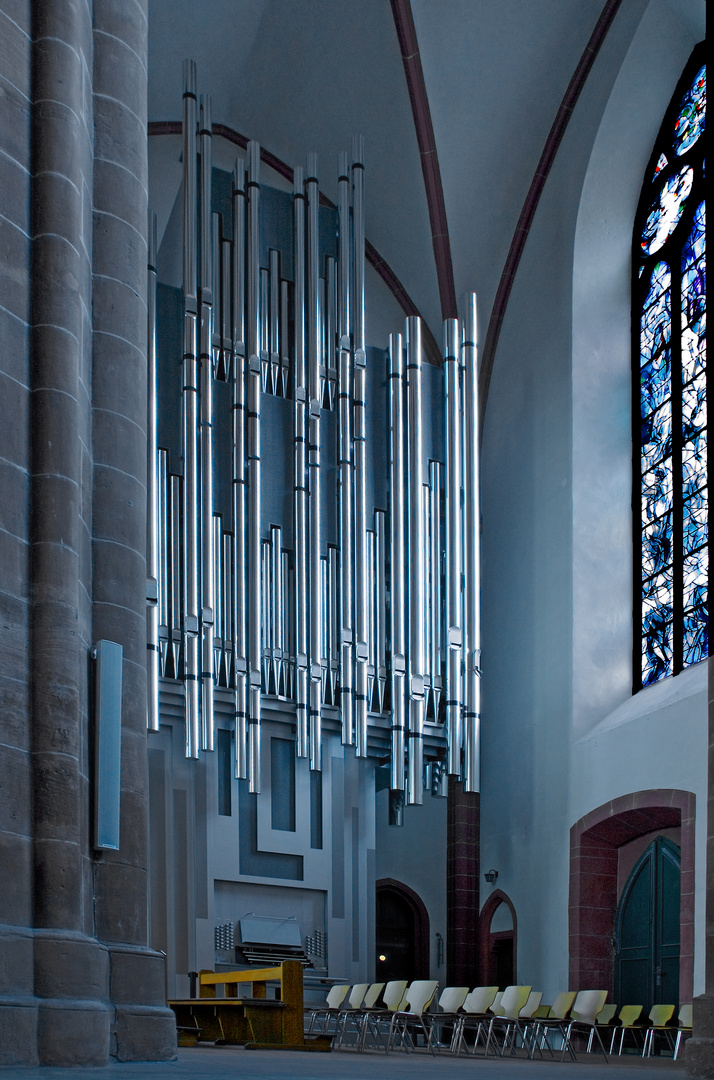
671,515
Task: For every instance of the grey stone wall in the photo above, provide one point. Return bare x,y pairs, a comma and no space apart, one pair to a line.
77,980
17,1030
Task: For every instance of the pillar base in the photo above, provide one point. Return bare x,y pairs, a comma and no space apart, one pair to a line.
699,1050
144,1027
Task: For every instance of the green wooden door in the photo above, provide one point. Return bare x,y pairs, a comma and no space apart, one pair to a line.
647,930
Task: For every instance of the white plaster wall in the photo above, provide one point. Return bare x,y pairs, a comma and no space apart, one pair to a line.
659,737
556,481
415,855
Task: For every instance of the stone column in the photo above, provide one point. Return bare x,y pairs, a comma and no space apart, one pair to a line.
71,970
144,1027
699,1052
18,1012
462,885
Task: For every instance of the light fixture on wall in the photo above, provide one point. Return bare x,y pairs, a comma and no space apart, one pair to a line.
491,876
439,949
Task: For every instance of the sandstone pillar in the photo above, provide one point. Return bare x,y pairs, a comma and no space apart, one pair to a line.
143,1026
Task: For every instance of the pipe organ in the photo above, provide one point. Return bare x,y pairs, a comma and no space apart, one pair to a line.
271,572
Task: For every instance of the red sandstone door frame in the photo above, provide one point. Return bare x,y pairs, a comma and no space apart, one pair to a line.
594,844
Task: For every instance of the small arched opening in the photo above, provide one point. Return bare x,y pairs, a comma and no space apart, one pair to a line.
498,937
401,932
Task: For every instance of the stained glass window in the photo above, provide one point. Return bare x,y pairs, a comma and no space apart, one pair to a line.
669,344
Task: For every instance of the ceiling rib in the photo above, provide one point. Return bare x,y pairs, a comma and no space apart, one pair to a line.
535,191
378,264
406,33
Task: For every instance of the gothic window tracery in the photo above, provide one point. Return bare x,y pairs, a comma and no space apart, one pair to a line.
670,396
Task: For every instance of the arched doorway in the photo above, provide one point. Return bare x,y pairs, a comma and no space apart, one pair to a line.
401,932
595,843
647,929
498,941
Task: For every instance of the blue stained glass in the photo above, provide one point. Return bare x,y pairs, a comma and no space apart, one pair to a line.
696,636
657,594
657,546
695,244
694,464
694,292
656,437
654,384
696,567
674,522
655,329
656,648
666,210
696,524
657,491
690,122
694,406
661,164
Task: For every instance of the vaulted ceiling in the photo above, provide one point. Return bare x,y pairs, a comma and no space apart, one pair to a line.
471,88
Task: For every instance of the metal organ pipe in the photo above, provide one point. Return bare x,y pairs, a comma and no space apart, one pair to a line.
344,405
153,505
240,655
398,559
314,433
254,477
472,531
454,547
361,570
191,612
417,605
300,475
436,613
242,597
206,424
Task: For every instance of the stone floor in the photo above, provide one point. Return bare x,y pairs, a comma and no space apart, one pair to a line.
235,1063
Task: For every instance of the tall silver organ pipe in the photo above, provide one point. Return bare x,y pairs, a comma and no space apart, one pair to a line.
472,531
344,409
254,478
315,397
276,605
191,507
380,529
436,613
207,295
417,575
300,541
360,451
454,546
240,655
153,504
398,553
164,559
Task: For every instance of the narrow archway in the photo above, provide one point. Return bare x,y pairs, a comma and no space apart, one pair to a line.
497,941
401,933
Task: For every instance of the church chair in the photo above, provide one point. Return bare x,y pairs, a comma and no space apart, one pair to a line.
474,1013
606,1020
628,1020
659,1022
507,1019
557,1013
355,1012
369,1019
586,1007
419,997
449,1005
685,1026
323,1013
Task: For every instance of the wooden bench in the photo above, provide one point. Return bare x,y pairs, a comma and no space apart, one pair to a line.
257,1021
